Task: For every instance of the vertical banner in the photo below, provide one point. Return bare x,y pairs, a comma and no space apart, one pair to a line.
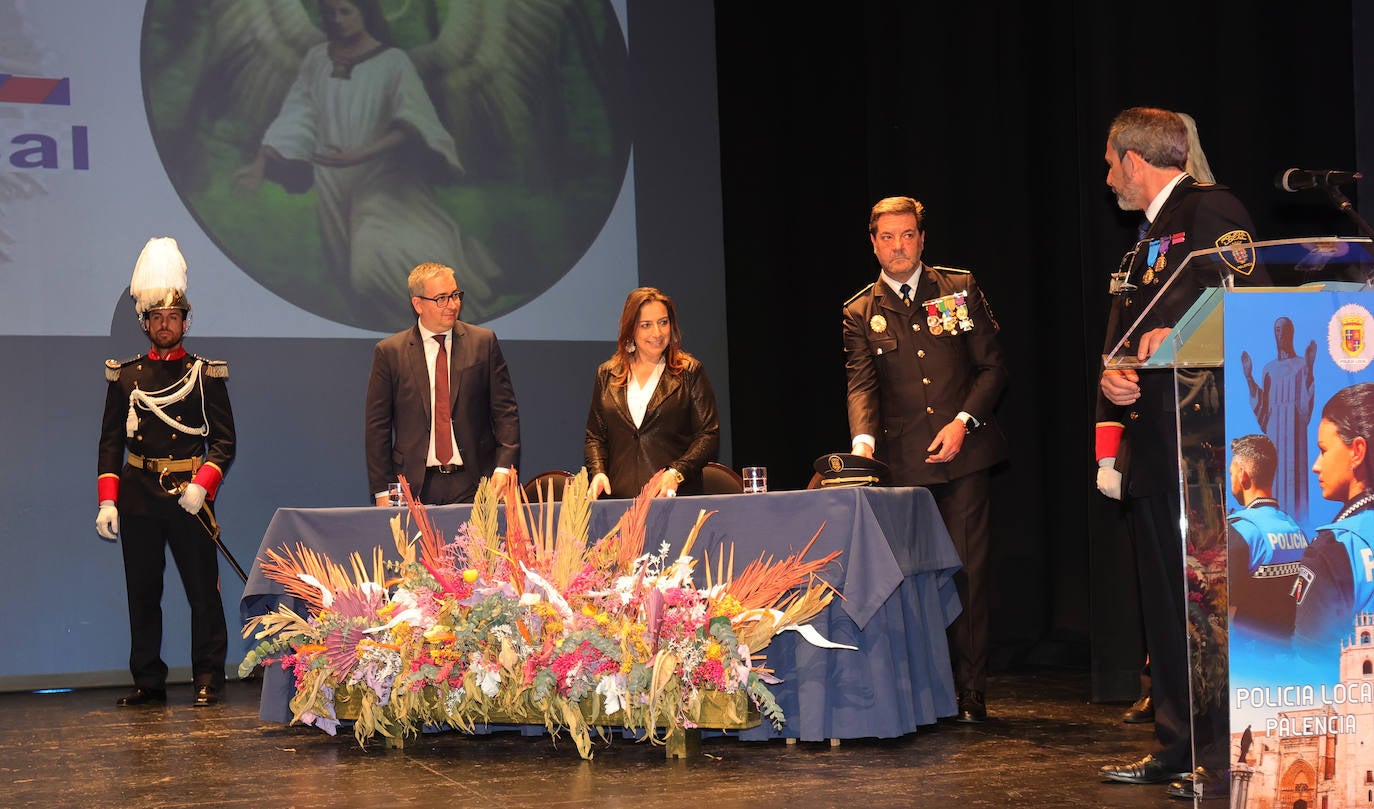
1299,419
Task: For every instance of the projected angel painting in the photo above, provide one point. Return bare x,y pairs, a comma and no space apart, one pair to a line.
329,146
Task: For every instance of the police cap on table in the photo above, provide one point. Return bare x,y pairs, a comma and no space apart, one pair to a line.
848,469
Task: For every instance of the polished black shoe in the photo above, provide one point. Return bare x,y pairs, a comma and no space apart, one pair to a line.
972,708
143,696
1141,712
1201,784
1148,770
206,695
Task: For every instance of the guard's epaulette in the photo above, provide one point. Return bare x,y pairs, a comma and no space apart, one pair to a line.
954,270
858,294
219,369
112,367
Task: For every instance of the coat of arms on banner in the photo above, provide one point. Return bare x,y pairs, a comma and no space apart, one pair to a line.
1348,338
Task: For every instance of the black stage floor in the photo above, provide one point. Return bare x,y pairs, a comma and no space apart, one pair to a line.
1041,747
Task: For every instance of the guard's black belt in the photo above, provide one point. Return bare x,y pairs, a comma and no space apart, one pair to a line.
445,469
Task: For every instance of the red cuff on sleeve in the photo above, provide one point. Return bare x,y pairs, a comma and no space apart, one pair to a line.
1108,439
107,488
210,477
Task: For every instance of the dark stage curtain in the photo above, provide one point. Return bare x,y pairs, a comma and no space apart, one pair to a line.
996,118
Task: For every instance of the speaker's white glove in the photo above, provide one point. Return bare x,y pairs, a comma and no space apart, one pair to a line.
107,521
193,498
1108,479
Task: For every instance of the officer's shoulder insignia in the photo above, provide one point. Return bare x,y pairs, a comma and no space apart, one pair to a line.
219,369
951,270
1302,583
113,367
1236,251
858,295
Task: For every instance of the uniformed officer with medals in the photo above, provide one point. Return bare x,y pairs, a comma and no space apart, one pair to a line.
166,442
925,371
1136,441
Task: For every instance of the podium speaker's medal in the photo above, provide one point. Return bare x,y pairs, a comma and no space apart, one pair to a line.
932,314
878,323
966,324
935,327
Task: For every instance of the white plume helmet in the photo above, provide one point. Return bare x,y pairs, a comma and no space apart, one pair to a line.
159,280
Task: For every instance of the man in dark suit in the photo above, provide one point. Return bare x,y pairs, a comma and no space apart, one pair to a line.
925,371
1146,154
443,431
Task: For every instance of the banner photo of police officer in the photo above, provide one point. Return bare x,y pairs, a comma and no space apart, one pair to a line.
1300,519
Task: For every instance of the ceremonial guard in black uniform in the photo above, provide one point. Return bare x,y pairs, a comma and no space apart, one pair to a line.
925,371
166,441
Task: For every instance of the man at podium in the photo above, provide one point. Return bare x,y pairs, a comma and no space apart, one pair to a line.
1136,443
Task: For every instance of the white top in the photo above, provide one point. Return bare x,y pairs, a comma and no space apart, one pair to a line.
637,396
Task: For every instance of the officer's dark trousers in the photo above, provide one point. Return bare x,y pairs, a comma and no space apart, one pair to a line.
145,539
1159,565
963,504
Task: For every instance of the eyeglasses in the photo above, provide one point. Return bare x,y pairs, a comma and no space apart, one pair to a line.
444,300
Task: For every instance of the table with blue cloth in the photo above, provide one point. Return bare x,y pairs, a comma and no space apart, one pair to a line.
894,578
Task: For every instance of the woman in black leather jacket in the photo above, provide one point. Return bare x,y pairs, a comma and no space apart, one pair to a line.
652,407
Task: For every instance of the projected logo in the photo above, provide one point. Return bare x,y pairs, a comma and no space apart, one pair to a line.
39,144
329,147
34,90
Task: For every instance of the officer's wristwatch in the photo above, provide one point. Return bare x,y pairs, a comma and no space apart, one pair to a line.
678,476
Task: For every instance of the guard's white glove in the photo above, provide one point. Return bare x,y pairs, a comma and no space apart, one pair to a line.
1108,479
193,498
107,521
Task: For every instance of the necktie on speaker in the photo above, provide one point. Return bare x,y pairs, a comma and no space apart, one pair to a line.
905,292
443,419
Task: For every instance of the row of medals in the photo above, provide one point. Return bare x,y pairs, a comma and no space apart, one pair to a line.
948,313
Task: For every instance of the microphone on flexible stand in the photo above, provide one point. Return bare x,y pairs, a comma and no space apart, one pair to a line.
1330,182
1300,179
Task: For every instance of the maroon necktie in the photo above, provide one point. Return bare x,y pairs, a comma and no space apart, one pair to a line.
443,437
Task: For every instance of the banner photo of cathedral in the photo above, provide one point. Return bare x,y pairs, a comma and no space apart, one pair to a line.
1299,411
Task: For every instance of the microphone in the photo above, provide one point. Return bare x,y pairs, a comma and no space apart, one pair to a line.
1298,179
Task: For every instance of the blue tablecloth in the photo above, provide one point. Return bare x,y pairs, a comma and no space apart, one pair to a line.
895,575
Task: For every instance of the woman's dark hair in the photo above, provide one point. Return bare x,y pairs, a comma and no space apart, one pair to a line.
675,358
1351,411
374,19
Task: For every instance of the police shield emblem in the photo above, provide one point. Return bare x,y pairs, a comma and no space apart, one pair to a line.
1347,338
1236,251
